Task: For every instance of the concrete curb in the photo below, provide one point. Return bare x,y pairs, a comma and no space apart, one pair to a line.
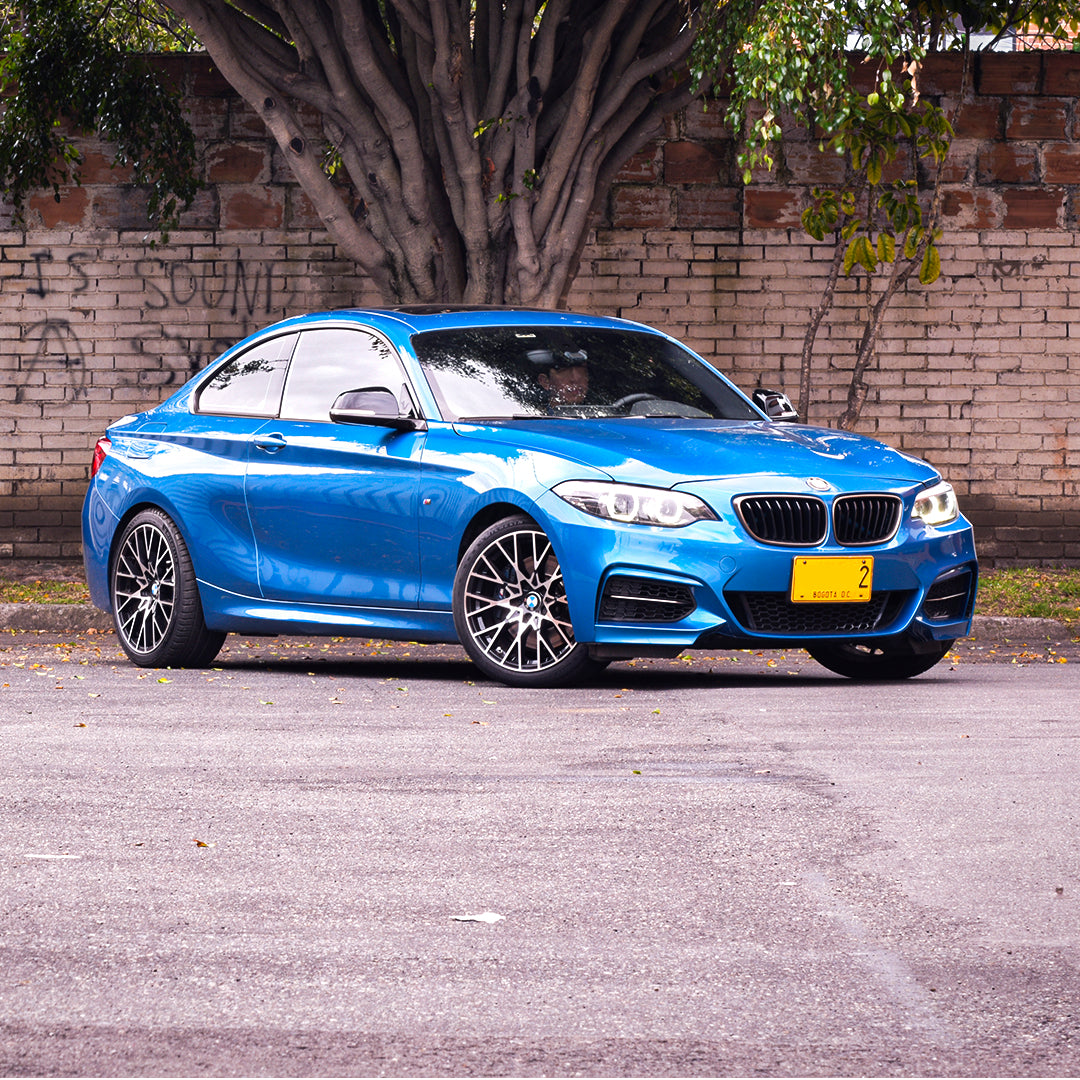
1005,628
54,618
77,618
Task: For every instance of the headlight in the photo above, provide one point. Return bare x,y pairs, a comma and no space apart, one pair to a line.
634,505
937,505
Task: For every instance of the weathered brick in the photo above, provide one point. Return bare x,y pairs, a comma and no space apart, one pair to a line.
705,208
97,168
1061,163
644,207
1033,208
1062,75
1039,118
696,163
982,118
252,208
122,207
1008,73
772,208
238,163
1008,163
69,209
645,167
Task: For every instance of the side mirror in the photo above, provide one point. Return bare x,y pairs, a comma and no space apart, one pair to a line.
375,406
775,405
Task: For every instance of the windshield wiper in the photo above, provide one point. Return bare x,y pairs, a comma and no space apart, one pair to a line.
503,419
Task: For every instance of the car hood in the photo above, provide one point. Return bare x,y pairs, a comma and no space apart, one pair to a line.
663,452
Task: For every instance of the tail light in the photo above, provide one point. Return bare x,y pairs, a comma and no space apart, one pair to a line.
102,448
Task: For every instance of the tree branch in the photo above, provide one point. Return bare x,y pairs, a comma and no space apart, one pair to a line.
567,145
288,132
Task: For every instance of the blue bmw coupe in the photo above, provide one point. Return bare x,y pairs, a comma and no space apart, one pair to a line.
554,491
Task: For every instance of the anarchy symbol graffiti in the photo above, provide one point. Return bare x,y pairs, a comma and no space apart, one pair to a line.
58,349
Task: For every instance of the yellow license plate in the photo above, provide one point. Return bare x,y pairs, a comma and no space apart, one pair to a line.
827,579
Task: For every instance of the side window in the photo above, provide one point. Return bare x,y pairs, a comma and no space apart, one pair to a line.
250,385
329,362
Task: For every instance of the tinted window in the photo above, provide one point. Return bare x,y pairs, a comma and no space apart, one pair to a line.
250,385
503,372
329,362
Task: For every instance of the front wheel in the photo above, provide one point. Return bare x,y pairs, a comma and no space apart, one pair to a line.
155,599
510,608
869,661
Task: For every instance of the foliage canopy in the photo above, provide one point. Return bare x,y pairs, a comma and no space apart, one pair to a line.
849,71
70,67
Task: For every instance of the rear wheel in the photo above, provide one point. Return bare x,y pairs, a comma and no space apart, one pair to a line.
867,661
155,598
510,608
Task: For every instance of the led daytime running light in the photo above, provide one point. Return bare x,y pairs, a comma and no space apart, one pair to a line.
634,505
937,505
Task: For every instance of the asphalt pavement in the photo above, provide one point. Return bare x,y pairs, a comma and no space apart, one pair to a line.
345,857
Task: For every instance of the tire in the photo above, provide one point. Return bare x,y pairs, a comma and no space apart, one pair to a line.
870,662
510,608
155,599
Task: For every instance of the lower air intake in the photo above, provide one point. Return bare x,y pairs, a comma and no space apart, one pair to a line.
947,600
774,613
633,599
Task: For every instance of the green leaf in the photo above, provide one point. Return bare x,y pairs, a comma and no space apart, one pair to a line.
70,69
813,223
864,254
930,270
886,248
849,259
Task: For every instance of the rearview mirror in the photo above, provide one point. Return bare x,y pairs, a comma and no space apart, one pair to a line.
375,406
775,405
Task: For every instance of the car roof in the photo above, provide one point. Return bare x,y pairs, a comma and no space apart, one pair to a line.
419,318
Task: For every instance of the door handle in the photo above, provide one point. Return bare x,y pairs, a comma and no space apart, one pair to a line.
270,444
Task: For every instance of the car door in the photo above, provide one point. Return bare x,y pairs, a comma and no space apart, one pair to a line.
333,506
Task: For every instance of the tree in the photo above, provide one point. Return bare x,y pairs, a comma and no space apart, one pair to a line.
455,149
475,137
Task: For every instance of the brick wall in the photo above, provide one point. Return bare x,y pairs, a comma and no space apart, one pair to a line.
976,372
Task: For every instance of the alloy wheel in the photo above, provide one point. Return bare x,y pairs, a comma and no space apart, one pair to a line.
515,604
144,588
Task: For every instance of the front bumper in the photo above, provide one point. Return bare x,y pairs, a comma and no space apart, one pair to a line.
923,586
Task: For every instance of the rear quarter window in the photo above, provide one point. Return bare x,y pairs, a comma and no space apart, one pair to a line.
250,384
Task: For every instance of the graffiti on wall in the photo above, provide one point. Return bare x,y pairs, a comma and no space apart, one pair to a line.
233,285
55,342
250,294
245,293
56,347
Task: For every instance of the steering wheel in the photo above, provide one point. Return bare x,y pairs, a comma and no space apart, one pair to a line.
630,399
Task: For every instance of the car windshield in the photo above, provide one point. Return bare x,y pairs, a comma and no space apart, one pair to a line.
502,373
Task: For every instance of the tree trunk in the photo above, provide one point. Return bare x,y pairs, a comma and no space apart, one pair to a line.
473,145
824,306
